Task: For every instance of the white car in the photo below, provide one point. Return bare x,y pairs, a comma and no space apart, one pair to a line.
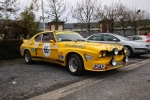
134,47
140,38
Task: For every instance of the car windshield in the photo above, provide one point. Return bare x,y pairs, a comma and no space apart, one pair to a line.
70,37
122,37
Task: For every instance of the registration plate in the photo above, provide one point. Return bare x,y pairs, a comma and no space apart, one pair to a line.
119,63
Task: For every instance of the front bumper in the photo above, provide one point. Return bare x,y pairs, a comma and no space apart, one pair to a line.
104,64
142,50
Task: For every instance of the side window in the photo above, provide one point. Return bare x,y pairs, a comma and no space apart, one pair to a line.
38,38
108,37
96,38
138,38
47,37
131,38
90,38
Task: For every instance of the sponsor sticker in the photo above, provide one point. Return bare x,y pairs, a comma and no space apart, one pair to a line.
75,46
55,46
32,49
60,56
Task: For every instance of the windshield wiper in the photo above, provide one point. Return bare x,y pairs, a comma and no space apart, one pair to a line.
66,40
80,40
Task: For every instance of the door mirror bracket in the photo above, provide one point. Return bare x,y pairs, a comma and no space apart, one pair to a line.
52,41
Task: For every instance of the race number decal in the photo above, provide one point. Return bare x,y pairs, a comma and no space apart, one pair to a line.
46,49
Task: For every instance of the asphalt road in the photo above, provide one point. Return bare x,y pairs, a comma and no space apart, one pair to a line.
19,81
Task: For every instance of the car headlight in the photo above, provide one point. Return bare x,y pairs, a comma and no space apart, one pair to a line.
125,59
124,49
113,62
102,54
115,51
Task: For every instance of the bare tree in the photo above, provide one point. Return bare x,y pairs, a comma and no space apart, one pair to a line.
134,19
112,12
57,10
8,12
123,13
85,13
143,20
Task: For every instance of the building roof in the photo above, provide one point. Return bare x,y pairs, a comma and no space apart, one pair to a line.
54,20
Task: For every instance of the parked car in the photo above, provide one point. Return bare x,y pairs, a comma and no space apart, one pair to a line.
70,49
134,47
140,38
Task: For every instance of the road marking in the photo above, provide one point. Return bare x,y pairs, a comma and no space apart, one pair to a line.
62,92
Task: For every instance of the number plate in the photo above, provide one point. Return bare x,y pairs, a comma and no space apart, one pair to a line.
119,63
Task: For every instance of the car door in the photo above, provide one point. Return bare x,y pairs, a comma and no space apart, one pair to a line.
46,49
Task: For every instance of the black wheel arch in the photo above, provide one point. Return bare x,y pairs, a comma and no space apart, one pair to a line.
70,53
25,51
132,53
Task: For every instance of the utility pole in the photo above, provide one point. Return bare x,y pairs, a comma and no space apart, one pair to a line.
138,11
43,16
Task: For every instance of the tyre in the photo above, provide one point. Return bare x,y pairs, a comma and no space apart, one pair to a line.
75,65
129,52
27,57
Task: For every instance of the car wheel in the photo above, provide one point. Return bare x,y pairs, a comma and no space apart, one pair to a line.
129,52
27,57
75,65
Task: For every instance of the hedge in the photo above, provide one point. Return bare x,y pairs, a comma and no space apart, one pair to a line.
10,49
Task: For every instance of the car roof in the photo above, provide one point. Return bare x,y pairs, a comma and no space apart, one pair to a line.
115,34
137,35
103,33
58,32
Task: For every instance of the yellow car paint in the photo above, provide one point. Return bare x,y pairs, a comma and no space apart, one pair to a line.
56,51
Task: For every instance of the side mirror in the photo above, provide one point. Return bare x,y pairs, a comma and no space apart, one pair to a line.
52,41
115,39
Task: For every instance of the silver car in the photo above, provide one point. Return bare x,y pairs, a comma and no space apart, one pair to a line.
134,48
140,38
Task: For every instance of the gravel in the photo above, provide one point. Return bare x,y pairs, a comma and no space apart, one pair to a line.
19,81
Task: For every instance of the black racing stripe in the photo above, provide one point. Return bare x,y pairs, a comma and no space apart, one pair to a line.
37,57
49,59
60,61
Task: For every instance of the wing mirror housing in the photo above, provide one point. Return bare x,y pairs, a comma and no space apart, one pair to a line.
52,41
115,40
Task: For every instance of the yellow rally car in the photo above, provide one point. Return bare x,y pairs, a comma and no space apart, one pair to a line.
69,49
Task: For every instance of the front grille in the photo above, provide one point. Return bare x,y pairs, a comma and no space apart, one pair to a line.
110,54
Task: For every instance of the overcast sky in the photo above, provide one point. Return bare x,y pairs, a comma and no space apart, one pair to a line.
139,4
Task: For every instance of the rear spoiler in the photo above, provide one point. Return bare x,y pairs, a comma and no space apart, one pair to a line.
25,40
